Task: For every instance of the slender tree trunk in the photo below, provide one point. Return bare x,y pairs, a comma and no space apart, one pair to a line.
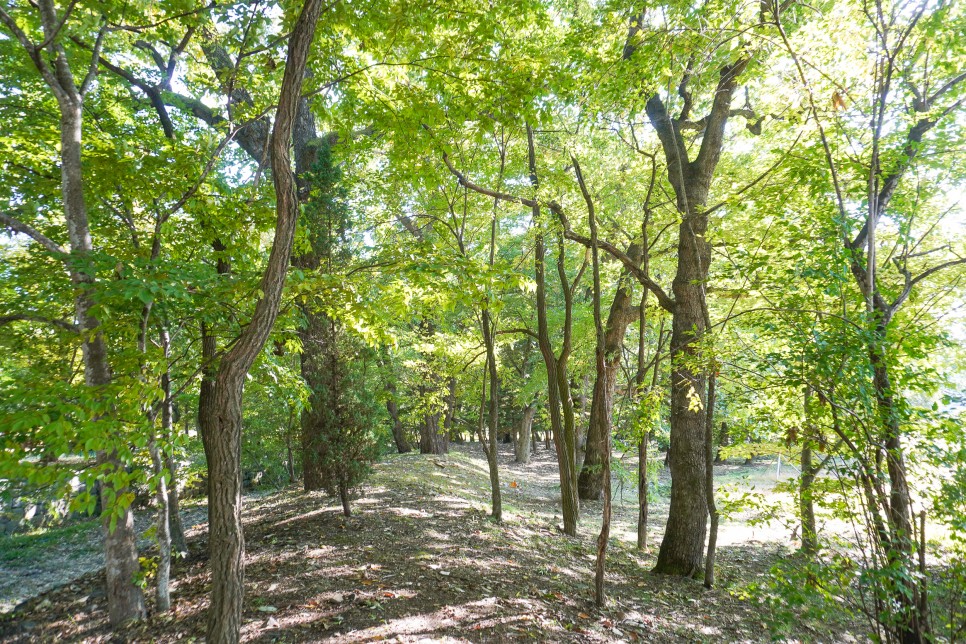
913,626
563,438
489,328
602,393
643,490
289,452
709,482
622,313
221,423
175,526
162,595
807,479
125,599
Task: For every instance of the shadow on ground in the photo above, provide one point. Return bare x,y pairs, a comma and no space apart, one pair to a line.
420,559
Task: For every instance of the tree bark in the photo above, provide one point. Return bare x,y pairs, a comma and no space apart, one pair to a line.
806,503
559,403
490,447
523,445
622,312
682,549
221,423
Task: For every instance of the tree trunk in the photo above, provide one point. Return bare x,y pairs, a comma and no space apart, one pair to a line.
622,313
162,595
806,504
683,544
431,441
913,626
489,328
179,544
563,438
221,421
398,432
522,446
724,440
709,481
125,599
682,549
344,499
602,393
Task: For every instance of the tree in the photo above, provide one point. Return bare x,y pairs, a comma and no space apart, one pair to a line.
125,600
221,421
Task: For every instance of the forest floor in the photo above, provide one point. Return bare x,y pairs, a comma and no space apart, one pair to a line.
420,560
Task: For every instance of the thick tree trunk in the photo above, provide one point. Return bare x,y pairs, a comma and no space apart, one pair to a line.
221,421
431,439
682,549
622,313
344,499
683,544
522,446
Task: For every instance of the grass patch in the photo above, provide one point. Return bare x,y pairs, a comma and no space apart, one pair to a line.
26,546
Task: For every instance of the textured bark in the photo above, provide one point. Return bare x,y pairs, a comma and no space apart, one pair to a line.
221,421
163,534
398,432
682,549
622,313
163,530
431,439
602,393
523,445
493,417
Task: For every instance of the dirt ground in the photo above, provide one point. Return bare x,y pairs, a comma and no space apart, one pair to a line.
420,560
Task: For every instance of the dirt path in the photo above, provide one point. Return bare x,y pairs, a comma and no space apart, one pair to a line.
420,559
77,554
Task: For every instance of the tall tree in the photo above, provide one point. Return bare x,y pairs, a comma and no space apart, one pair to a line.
59,72
221,422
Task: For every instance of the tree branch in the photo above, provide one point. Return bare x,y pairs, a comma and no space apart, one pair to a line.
16,225
25,317
662,297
